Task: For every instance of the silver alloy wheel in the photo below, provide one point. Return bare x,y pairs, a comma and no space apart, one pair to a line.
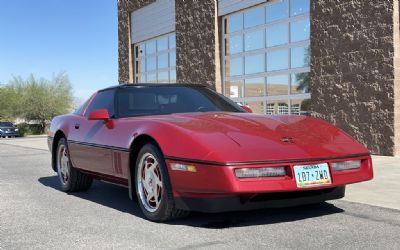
149,182
63,168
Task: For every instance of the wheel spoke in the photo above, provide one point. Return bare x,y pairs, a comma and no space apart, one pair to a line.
153,166
146,185
149,196
158,182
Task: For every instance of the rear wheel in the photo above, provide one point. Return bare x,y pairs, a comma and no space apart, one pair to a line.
71,179
153,187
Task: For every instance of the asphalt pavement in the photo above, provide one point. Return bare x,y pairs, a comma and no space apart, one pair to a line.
35,214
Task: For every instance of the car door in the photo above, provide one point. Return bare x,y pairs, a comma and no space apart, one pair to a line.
88,142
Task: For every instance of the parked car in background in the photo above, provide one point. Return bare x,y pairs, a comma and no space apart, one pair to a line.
184,147
8,129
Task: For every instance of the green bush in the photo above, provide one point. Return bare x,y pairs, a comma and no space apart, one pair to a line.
24,129
29,129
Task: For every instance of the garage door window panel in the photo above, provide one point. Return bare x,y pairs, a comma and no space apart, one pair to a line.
253,17
300,83
162,44
278,85
277,60
277,35
254,40
277,11
236,44
155,59
299,7
254,64
300,30
162,61
151,48
235,88
255,86
235,67
268,42
235,23
300,57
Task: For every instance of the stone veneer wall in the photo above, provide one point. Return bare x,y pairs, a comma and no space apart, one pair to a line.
125,64
352,69
396,38
197,42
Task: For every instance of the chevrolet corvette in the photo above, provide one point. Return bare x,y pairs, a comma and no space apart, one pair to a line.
184,147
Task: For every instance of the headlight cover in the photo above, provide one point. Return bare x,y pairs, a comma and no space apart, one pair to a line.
260,172
345,165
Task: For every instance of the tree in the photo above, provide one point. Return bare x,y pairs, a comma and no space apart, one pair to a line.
8,100
40,99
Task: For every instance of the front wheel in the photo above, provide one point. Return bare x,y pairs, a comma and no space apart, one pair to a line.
153,187
71,180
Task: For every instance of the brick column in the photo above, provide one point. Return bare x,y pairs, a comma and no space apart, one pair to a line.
197,47
125,63
352,69
396,39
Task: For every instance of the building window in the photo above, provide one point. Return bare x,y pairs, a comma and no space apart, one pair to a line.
266,57
155,60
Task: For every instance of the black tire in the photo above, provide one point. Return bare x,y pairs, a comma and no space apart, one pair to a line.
166,209
71,180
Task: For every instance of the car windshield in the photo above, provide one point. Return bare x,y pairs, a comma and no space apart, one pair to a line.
6,124
158,100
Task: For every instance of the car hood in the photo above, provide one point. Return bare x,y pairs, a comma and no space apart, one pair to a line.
245,137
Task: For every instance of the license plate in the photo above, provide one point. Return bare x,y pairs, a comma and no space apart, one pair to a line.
312,175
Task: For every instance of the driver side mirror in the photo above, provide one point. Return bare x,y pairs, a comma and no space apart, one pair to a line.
99,114
245,107
248,109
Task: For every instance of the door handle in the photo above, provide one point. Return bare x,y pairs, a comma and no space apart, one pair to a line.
77,126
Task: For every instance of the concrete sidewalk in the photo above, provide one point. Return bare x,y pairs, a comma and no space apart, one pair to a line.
36,142
382,191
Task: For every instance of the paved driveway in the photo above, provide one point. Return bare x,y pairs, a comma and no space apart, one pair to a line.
34,213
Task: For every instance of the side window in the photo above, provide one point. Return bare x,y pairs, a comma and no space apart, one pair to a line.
102,100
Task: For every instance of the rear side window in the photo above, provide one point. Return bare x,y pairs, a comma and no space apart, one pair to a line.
102,100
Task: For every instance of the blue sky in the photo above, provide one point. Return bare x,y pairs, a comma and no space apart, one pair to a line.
44,37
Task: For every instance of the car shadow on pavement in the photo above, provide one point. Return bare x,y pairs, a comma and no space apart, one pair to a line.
103,193
116,197
258,217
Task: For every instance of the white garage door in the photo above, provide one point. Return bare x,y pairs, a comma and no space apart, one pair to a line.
153,20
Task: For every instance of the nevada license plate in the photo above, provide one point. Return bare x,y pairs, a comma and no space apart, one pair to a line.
312,175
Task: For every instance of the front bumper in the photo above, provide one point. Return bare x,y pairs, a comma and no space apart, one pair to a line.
9,134
219,185
259,201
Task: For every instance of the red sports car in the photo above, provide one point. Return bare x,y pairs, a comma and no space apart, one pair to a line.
181,147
